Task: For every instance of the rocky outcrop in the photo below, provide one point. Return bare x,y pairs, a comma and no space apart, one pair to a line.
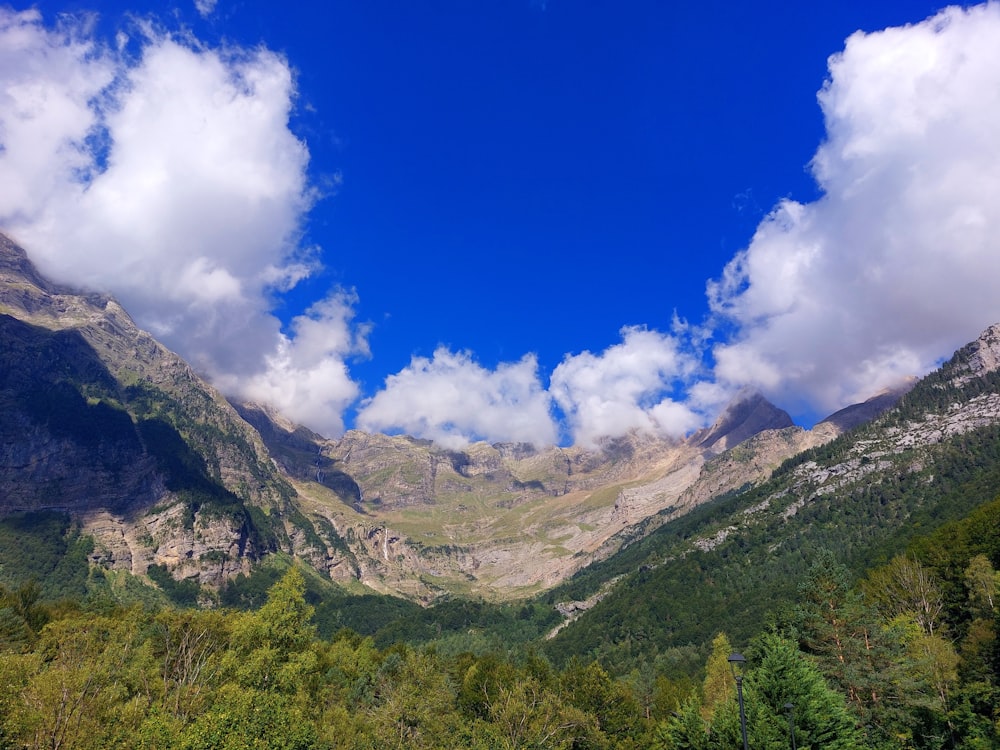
100,421
900,441
60,449
510,519
980,357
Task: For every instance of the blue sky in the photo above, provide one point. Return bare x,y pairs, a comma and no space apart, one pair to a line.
516,219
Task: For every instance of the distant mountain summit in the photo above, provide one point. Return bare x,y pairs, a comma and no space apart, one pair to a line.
856,414
745,416
14,266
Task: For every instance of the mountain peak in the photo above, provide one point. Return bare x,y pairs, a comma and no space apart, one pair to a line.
855,414
745,416
14,264
984,354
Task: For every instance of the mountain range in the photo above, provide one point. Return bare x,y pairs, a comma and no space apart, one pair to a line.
173,482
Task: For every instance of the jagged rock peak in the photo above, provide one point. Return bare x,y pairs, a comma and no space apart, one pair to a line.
984,354
14,264
745,416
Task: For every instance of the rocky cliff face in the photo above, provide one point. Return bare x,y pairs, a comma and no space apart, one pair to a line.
99,420
979,358
512,519
897,442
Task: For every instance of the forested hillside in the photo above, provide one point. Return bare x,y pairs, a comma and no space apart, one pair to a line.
863,497
172,481
859,579
905,658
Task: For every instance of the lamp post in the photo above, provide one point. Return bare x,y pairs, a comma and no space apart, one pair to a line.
790,708
736,663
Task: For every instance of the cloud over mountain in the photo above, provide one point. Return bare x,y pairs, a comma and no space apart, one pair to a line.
623,388
897,263
451,399
165,171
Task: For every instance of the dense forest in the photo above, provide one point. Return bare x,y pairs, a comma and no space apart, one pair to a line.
904,657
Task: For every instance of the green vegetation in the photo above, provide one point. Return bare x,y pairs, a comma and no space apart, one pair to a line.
46,550
896,660
870,603
900,655
724,565
183,593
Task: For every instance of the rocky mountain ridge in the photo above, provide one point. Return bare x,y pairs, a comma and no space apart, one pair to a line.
100,421
887,487
180,478
896,435
510,518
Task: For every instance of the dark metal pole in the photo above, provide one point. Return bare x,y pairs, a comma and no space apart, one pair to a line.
790,708
737,663
743,716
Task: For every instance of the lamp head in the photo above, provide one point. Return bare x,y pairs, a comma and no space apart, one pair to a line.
736,663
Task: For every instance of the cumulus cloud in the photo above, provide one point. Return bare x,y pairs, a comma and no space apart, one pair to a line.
172,179
897,263
307,378
49,80
452,399
894,267
626,388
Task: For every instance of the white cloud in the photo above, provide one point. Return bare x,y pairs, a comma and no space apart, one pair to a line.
453,400
897,264
205,7
307,378
893,268
624,388
48,81
172,180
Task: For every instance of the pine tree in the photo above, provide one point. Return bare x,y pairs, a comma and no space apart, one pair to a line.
836,627
684,730
783,675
